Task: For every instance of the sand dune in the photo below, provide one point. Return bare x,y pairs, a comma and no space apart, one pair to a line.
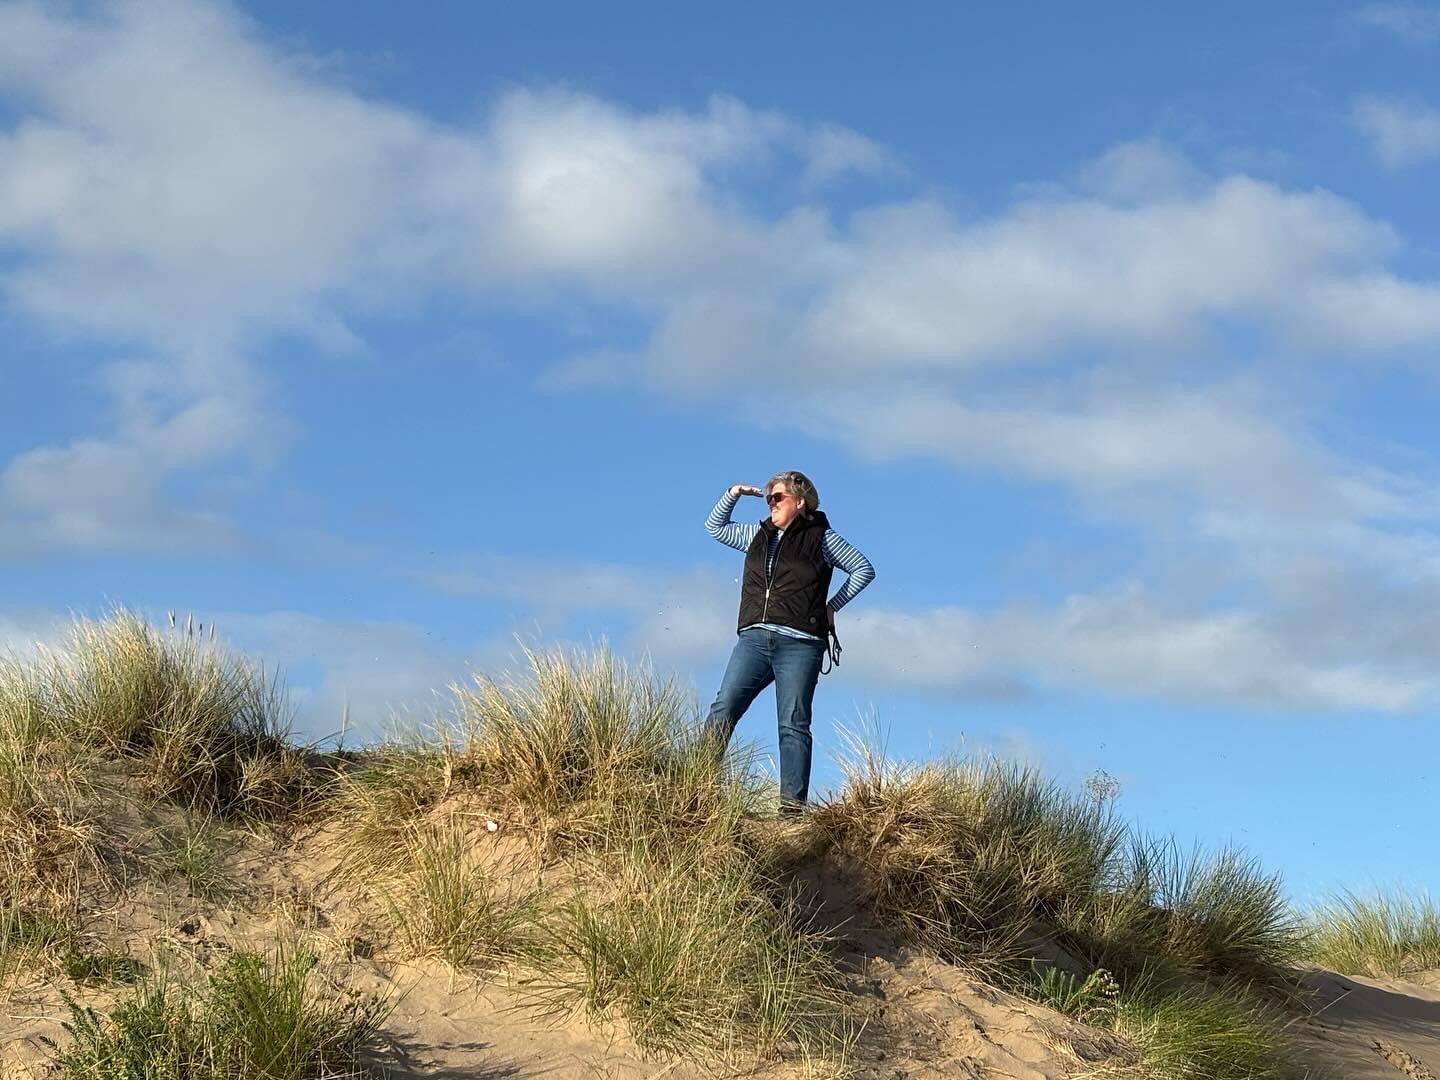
925,1019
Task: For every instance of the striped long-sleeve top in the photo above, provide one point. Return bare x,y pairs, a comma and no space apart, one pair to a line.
838,553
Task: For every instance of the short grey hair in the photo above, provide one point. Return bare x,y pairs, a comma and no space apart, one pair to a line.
797,484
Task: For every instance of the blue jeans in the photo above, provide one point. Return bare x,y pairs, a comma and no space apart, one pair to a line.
793,665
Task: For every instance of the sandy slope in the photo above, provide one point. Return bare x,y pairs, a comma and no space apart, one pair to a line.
926,1020
923,1018
1365,1028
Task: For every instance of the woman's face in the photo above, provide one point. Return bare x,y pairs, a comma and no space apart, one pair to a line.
784,507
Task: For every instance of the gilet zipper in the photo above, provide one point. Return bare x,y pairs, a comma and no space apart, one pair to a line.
769,577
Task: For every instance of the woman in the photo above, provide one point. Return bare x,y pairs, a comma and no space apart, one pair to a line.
784,616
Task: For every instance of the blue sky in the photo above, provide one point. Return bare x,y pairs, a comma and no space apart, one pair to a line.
1108,334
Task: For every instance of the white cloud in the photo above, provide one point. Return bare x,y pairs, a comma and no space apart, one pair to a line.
1140,171
22,631
1402,132
1133,450
1047,275
181,190
1328,645
912,289
178,185
1127,643
676,617
832,151
379,672
95,495
1418,23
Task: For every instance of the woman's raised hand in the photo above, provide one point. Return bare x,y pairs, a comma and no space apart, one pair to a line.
745,489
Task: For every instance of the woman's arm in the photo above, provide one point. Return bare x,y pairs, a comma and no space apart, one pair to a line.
841,553
730,533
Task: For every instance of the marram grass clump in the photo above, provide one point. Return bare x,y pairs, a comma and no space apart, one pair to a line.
979,859
260,1017
585,752
1383,934
210,727
698,957
639,891
1197,1032
448,905
50,838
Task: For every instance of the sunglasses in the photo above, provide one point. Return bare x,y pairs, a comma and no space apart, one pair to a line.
776,496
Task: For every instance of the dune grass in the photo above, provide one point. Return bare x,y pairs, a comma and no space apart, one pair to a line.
1198,1032
670,911
697,957
978,858
582,752
27,937
1187,913
667,925
260,1018
595,749
446,905
987,862
210,726
193,849
1383,934
966,856
50,845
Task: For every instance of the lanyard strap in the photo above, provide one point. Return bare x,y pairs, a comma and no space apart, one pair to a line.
832,653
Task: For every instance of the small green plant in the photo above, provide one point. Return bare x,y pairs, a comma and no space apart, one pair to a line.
261,1018
193,850
1091,999
451,908
26,938
155,1036
102,967
1385,934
